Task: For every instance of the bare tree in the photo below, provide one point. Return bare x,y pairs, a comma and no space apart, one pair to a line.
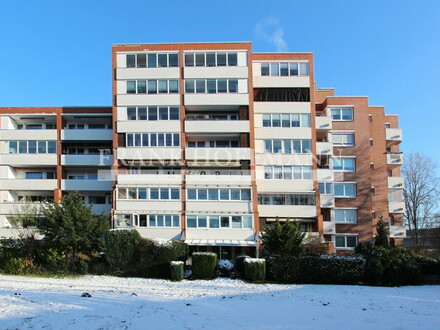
421,196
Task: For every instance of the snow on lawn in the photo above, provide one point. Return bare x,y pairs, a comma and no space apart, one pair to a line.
135,303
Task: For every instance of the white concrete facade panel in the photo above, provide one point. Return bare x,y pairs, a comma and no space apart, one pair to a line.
29,159
279,159
285,185
149,153
223,99
147,99
283,133
287,211
280,82
164,233
228,154
147,73
150,179
219,234
211,126
218,206
216,72
145,126
24,134
132,206
27,184
218,180
282,107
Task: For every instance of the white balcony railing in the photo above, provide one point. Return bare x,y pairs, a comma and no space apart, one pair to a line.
211,126
323,123
393,135
395,158
396,182
28,184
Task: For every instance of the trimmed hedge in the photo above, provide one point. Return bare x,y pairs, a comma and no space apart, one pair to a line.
255,269
204,264
176,270
121,247
316,269
239,265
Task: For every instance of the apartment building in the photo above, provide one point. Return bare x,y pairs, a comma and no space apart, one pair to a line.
211,143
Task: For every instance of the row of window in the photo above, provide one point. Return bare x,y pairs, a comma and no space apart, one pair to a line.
32,147
156,220
153,139
286,120
203,194
153,113
214,221
342,114
149,193
85,151
285,69
211,86
288,146
152,86
211,59
214,144
288,172
152,60
286,199
40,175
36,126
338,189
88,126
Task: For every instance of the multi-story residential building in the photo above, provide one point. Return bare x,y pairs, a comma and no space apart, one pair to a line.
212,143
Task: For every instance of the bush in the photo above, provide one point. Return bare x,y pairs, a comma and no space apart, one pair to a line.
399,267
121,247
239,265
176,270
317,269
14,265
428,266
203,265
255,269
79,266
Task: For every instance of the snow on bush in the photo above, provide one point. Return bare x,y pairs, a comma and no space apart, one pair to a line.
162,242
254,260
176,263
225,264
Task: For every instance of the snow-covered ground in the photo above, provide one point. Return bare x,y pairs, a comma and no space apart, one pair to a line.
135,303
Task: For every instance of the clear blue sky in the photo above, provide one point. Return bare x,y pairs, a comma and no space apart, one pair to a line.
58,53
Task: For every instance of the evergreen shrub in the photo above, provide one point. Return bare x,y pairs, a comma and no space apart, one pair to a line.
203,265
255,269
120,249
176,270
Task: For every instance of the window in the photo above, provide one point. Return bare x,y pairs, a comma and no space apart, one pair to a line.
326,188
288,172
286,120
285,69
343,164
214,221
34,175
287,146
345,189
211,86
156,220
345,215
152,139
286,199
343,139
149,193
151,86
211,59
342,114
345,241
154,60
32,147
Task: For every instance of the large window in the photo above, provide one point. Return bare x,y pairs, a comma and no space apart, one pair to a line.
345,215
149,193
211,86
286,120
346,164
286,199
219,221
152,86
342,114
285,69
152,140
223,194
345,190
32,147
288,146
288,172
343,139
153,113
156,220
211,59
152,60
346,241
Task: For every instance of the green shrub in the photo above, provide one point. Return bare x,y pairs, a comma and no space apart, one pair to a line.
14,265
203,265
428,266
255,269
121,247
79,266
239,265
176,270
399,267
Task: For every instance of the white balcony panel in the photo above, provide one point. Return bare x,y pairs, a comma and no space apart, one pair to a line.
147,73
220,234
216,72
324,148
327,201
398,231
150,179
282,107
283,133
396,207
28,184
283,159
87,134
220,180
396,182
164,233
228,154
395,159
281,82
329,227
28,134
393,134
86,185
285,185
87,160
29,159
147,205
211,126
14,207
218,206
147,99
323,122
101,208
325,175
149,153
287,211
145,126
222,99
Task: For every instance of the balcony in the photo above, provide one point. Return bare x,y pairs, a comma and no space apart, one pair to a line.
27,160
147,73
281,82
14,207
394,159
147,205
398,231
323,123
396,207
393,136
224,100
28,134
327,201
211,178
87,135
153,179
216,206
396,182
205,235
324,148
216,72
142,99
86,185
287,211
87,160
218,126
28,184
218,154
281,107
325,175
147,154
136,126
285,185
329,227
